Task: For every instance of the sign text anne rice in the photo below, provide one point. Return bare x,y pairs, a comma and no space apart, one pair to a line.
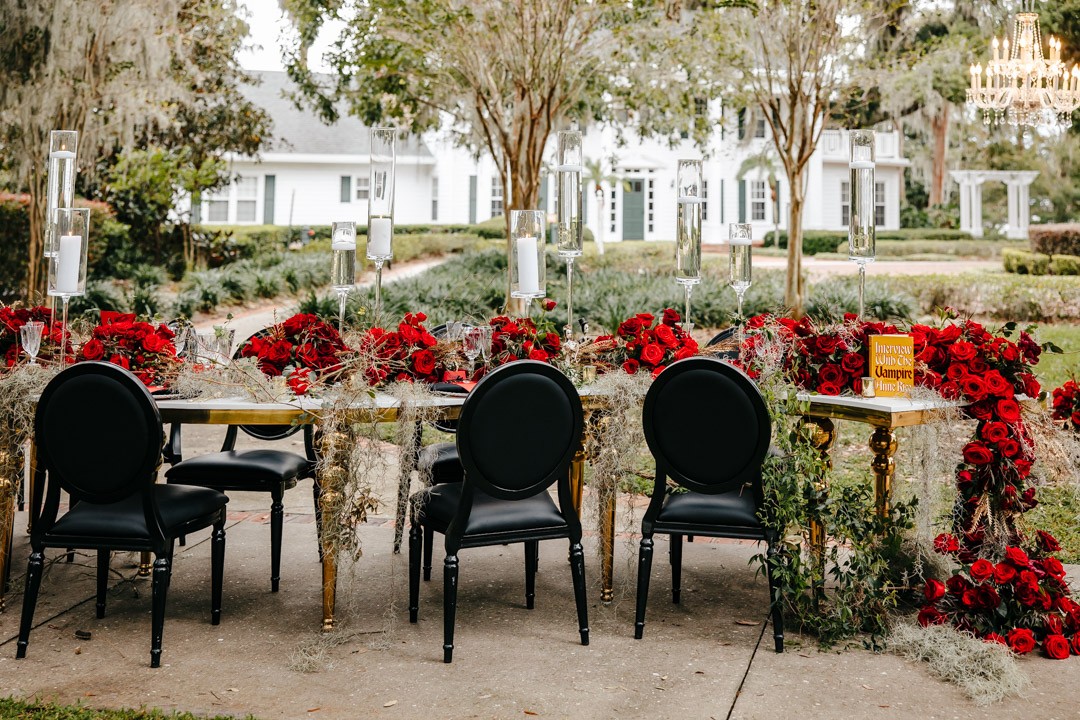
892,364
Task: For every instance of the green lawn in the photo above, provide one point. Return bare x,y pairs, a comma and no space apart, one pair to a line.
12,709
1055,369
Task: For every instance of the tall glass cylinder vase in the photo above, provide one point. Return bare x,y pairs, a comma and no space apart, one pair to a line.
381,204
527,266
688,233
861,231
568,169
740,237
63,148
343,264
67,268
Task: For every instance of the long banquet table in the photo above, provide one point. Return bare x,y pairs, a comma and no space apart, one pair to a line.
883,414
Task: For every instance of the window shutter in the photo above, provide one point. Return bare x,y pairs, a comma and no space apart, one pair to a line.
268,199
472,199
742,201
742,123
346,188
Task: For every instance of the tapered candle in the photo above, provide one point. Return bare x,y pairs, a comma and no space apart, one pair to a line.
67,264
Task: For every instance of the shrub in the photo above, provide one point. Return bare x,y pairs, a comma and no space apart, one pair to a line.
827,241
1002,297
1060,239
495,229
1065,265
1023,262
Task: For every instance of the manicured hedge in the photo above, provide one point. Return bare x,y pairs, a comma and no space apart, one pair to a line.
822,241
1059,239
1023,262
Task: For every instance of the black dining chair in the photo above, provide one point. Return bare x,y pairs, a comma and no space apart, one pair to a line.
266,470
708,429
99,437
724,336
517,434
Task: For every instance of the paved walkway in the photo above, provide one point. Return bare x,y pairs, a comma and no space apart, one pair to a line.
709,657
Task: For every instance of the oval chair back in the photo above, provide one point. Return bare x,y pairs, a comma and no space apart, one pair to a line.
519,429
263,432
722,337
707,426
99,437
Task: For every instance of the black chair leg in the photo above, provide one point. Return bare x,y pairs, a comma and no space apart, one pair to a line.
577,571
102,580
217,570
159,590
644,569
316,496
532,552
414,569
429,543
182,540
277,518
33,583
774,596
675,557
450,583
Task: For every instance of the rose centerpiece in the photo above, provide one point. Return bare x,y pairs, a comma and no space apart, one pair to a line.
145,349
299,349
13,318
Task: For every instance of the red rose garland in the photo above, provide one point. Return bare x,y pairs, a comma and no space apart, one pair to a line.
641,344
295,348
404,354
1066,404
523,339
13,318
144,349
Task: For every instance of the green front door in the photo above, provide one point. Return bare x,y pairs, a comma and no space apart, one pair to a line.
633,210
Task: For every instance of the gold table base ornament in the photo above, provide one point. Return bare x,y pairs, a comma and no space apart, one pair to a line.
883,445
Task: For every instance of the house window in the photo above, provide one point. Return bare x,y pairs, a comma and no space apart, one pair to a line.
217,206
845,202
879,204
346,188
247,194
757,200
496,196
363,187
704,200
434,198
651,214
759,128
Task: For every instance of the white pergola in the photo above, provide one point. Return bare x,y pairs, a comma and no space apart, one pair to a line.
1017,182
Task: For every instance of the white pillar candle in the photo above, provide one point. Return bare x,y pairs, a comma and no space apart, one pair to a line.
568,168
343,241
379,232
67,264
527,270
62,155
861,165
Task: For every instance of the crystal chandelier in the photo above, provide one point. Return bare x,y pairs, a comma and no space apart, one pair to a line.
1020,84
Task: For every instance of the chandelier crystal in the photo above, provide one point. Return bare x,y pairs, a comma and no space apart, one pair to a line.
1020,84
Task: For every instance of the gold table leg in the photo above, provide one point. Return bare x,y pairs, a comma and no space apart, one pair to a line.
144,564
328,500
883,444
607,545
7,529
822,437
577,477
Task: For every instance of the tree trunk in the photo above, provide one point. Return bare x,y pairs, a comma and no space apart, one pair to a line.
35,278
940,126
794,285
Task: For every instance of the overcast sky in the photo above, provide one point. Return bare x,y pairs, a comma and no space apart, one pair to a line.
267,23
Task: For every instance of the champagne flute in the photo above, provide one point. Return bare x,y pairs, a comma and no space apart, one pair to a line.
472,338
739,265
31,338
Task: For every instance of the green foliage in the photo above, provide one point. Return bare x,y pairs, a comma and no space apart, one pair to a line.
827,241
13,709
245,280
1023,262
1059,239
14,229
1001,297
947,249
495,229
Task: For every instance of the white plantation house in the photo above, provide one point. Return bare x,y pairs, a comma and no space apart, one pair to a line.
315,174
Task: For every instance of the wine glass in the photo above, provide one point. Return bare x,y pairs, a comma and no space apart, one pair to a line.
472,342
486,332
31,338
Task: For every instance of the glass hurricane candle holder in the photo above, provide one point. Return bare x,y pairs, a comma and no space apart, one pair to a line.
740,237
688,232
527,266
380,230
67,269
861,230
60,190
570,232
342,264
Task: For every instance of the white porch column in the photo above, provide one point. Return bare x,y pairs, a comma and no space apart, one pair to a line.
976,208
1023,210
965,206
1011,230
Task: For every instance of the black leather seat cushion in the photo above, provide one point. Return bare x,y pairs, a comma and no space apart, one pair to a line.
725,509
238,470
490,515
178,504
444,462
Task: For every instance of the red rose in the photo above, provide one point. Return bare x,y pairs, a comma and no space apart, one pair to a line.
549,304
93,349
962,351
1008,410
686,351
1004,573
423,362
946,543
652,354
629,327
825,344
1047,542
977,454
630,366
1009,448
1076,644
981,570
973,388
987,597
930,615
666,335
832,374
279,352
826,388
1053,567
154,343
1017,557
1056,647
671,317
934,590
658,369
994,432
538,354
958,584
1075,418
853,363
1021,640
996,384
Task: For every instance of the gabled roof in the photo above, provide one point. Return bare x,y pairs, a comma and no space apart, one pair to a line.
298,131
